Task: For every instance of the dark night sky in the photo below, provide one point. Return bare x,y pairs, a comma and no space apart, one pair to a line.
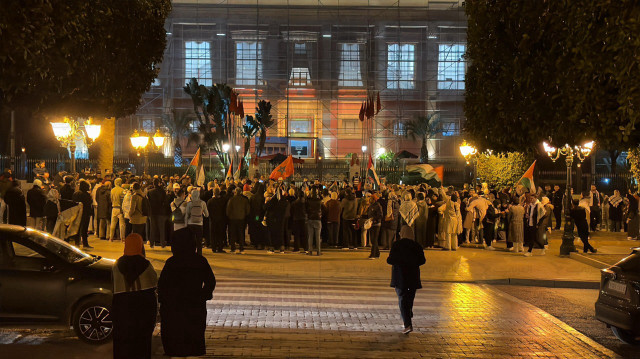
34,133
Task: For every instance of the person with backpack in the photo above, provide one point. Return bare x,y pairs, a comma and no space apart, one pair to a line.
139,212
195,209
179,210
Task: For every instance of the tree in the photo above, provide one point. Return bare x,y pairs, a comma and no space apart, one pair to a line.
264,121
503,169
424,128
561,68
178,124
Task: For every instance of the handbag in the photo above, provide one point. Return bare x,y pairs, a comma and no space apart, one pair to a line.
367,223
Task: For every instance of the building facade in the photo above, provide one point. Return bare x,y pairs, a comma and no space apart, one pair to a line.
316,62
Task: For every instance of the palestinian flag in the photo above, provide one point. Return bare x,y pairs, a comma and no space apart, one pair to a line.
424,173
236,175
230,171
371,172
527,180
197,163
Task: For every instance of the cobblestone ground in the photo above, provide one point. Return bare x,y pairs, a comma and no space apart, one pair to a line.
250,318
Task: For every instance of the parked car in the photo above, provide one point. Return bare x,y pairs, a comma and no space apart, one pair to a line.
46,280
618,303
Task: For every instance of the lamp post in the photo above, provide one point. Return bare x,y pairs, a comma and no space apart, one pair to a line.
364,149
468,152
580,153
140,141
70,130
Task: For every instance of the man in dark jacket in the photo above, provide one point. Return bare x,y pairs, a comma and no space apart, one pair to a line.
237,212
83,196
556,200
313,208
16,205
158,215
36,200
579,216
406,256
217,220
67,190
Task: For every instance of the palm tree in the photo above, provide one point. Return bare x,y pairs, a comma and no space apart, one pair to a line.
424,128
264,121
178,124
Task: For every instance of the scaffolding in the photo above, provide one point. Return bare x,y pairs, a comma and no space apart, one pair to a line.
302,62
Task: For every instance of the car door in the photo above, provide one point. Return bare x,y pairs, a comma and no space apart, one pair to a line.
32,282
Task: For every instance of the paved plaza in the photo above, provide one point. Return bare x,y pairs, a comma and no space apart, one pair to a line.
339,305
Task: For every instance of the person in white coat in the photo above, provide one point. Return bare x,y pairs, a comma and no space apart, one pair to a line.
450,216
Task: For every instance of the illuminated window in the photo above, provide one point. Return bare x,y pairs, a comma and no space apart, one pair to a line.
300,127
350,127
148,126
249,63
400,66
197,62
300,77
193,126
300,48
399,129
450,128
350,75
451,67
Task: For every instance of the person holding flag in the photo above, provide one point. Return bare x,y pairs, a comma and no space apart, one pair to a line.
284,170
371,173
199,167
526,182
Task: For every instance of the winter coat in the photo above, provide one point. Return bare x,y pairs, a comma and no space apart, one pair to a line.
87,202
157,201
374,211
238,208
275,211
135,212
349,208
333,211
516,224
217,207
406,256
103,197
36,200
299,209
16,205
314,209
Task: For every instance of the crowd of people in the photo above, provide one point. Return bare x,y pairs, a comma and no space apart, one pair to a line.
304,217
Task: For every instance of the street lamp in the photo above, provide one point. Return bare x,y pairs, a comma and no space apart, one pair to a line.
580,153
69,131
141,142
225,147
468,152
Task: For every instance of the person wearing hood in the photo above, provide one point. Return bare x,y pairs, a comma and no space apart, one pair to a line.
185,285
421,219
103,209
276,211
52,209
406,256
117,215
216,207
17,207
349,207
137,216
36,200
134,307
299,216
195,211
257,232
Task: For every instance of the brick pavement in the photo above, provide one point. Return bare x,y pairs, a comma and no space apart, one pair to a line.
306,319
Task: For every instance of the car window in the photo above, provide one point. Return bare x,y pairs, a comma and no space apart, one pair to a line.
22,251
59,248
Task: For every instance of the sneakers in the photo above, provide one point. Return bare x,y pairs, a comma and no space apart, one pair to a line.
511,249
527,254
345,248
242,252
407,330
281,252
490,248
544,251
237,251
270,251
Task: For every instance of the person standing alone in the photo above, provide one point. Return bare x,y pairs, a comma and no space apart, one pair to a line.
406,256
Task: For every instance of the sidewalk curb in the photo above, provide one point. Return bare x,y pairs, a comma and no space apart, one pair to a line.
547,283
588,260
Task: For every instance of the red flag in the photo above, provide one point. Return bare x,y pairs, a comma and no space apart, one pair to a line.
284,170
370,108
361,114
196,161
378,104
241,108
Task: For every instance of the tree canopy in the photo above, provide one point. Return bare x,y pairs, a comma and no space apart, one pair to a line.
80,58
563,69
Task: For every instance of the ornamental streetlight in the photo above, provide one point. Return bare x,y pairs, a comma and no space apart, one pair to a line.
141,142
468,152
70,130
580,153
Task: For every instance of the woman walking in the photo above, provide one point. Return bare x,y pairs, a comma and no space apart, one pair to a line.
185,285
134,306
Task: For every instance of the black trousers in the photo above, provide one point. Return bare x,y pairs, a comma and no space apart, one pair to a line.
236,233
218,234
83,232
405,302
276,231
531,237
299,235
596,215
51,224
557,212
141,229
347,233
198,233
374,234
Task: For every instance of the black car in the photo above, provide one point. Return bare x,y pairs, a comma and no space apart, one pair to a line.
46,280
618,304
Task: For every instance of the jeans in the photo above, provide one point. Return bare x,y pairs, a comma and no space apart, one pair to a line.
314,227
236,233
347,233
557,213
386,237
531,237
374,233
117,218
333,228
198,233
405,302
157,225
141,229
103,228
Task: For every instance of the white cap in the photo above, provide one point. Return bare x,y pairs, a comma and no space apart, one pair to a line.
37,183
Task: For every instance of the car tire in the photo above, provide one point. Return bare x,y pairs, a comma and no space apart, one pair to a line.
625,336
92,322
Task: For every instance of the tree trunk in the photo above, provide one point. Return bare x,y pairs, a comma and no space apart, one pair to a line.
613,155
177,153
424,152
107,135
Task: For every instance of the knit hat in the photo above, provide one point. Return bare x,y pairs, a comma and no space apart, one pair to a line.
133,245
406,232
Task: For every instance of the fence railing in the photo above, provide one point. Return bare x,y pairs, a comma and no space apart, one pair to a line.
328,170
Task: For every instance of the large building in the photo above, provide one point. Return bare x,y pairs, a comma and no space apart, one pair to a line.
316,62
